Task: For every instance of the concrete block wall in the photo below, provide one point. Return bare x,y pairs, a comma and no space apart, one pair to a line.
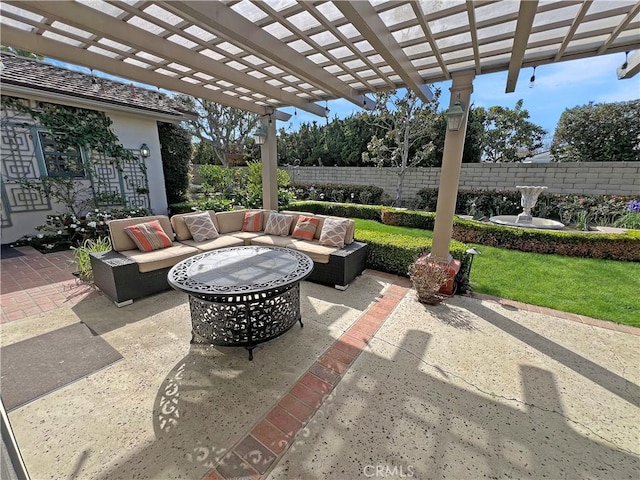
586,178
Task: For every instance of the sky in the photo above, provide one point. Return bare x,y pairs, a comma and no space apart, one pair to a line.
557,87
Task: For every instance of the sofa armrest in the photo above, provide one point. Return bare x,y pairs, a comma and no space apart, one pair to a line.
120,279
344,265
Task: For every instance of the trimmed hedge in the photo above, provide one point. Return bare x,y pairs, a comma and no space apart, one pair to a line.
625,247
349,210
392,253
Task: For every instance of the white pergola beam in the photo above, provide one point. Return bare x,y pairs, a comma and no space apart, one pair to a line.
474,35
92,20
526,14
230,25
630,16
366,20
417,9
77,56
633,67
572,30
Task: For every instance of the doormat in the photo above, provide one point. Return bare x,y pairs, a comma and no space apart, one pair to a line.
37,366
8,251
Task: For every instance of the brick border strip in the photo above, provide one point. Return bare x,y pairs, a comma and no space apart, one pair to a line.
559,314
261,449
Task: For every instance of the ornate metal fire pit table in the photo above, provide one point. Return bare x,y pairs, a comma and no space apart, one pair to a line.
242,296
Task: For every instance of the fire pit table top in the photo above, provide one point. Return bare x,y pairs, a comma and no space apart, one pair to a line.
240,270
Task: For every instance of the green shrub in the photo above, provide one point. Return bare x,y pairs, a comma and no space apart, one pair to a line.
82,255
175,148
334,192
216,204
394,253
588,245
408,218
347,210
601,210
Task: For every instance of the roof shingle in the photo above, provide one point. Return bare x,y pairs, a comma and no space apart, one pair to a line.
42,76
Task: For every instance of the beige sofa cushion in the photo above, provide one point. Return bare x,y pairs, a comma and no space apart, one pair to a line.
158,259
232,221
318,253
246,237
350,228
121,242
181,229
222,241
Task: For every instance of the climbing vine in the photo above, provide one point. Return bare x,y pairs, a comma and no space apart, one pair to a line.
75,127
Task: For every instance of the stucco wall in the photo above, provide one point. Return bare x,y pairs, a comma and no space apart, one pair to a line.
132,132
592,178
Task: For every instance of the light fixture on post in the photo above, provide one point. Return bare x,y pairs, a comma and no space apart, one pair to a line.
145,152
455,115
626,61
260,134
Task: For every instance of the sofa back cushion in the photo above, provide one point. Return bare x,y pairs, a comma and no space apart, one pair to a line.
181,229
229,222
351,225
121,242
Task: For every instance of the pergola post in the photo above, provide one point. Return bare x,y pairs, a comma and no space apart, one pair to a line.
269,157
450,172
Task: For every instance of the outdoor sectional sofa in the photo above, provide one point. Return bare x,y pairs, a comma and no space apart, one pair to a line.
126,273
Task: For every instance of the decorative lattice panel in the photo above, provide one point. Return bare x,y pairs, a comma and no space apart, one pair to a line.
19,161
127,187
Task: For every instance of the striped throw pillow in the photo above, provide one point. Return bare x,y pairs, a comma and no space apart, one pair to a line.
305,227
149,236
252,222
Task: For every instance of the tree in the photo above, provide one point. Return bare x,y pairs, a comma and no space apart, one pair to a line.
508,134
20,53
406,142
219,125
175,149
598,132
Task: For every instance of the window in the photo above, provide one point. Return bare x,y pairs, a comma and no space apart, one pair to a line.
60,161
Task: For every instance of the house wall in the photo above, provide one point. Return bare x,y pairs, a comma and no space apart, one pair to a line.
586,178
132,131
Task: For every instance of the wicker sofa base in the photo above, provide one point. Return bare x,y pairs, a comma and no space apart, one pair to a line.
119,278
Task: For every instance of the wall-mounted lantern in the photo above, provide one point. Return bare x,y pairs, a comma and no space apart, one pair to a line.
145,152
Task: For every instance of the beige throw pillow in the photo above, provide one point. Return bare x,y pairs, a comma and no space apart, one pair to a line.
333,232
278,224
201,227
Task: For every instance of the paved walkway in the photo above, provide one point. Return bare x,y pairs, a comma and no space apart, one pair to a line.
376,385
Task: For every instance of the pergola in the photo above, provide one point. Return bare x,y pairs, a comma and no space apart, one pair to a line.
260,56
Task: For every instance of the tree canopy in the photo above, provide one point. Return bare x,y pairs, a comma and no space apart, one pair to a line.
220,126
598,132
508,134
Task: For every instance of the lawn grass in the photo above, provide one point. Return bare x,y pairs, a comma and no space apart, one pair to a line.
603,289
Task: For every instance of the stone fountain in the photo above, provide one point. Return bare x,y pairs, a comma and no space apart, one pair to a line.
525,219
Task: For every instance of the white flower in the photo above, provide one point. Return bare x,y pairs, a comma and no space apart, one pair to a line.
59,232
101,223
73,225
96,210
40,235
92,224
82,229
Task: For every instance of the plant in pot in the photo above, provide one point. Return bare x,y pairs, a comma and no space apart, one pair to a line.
82,256
428,276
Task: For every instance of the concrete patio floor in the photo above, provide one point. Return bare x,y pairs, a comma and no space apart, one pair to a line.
376,385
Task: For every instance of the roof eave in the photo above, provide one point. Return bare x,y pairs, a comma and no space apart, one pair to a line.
78,100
